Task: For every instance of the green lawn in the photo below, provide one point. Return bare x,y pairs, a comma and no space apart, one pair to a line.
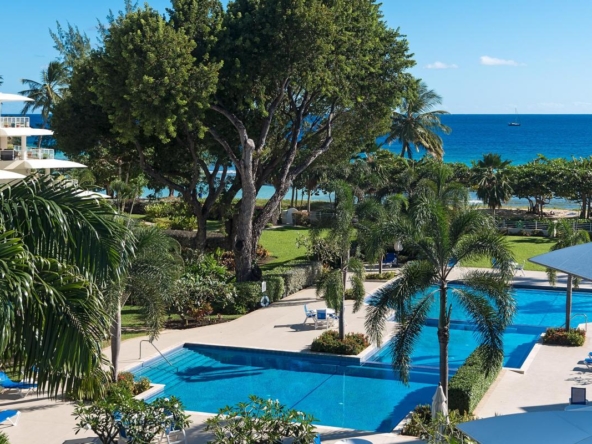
281,243
523,248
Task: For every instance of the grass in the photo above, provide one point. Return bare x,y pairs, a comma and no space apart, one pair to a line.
281,243
523,247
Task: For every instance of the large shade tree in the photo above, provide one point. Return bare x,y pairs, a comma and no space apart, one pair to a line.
58,251
440,236
416,124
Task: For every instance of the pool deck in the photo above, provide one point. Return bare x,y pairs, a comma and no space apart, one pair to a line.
545,385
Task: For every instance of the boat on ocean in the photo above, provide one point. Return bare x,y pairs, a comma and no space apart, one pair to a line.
516,122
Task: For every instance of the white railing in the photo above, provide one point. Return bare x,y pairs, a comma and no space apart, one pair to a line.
36,153
15,122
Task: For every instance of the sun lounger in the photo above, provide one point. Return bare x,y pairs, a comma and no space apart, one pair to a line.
12,416
390,259
8,384
310,314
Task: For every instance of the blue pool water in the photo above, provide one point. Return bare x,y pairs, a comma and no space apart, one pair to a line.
336,394
518,341
536,309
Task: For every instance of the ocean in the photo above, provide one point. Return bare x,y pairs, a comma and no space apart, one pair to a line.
553,136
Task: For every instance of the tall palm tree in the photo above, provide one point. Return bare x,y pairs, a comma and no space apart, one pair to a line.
148,277
47,92
440,236
340,230
416,124
57,250
493,185
567,235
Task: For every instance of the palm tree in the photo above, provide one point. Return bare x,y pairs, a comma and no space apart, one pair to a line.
417,124
1,80
47,92
57,250
567,235
493,185
441,236
332,284
148,277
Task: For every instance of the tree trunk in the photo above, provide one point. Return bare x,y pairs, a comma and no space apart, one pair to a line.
116,340
443,338
292,199
308,204
584,211
243,244
380,264
202,232
342,311
568,302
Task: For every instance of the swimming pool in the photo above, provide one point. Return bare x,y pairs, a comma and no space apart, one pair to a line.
336,391
536,309
518,342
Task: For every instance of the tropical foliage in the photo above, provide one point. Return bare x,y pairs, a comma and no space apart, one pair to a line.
417,124
440,236
490,177
57,251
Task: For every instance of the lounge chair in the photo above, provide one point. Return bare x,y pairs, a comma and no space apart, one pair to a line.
8,384
519,267
12,416
578,396
173,434
321,318
390,259
317,439
310,314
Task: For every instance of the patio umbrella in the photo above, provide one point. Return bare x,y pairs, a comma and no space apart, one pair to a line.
9,176
439,403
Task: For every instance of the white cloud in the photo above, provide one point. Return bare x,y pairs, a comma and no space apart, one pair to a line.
492,61
440,65
583,104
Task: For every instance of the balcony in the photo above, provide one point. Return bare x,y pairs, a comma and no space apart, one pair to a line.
14,122
34,153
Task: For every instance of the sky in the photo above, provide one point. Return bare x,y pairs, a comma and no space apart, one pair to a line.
482,57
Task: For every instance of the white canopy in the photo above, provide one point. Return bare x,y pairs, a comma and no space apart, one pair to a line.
9,176
551,427
24,131
86,193
40,164
13,98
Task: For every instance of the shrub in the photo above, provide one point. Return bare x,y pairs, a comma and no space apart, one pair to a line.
4,438
560,336
301,218
469,384
329,342
119,411
125,381
384,276
424,427
276,287
158,210
267,420
297,275
248,298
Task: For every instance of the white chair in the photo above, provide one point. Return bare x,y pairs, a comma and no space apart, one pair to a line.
309,314
519,267
321,318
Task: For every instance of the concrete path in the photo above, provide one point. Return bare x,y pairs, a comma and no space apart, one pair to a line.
546,384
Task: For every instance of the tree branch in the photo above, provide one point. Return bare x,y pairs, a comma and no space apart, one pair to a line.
225,146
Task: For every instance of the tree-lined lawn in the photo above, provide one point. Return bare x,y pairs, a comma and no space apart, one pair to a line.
523,247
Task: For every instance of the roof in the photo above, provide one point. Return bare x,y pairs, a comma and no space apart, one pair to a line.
9,176
550,427
24,131
40,164
571,260
14,98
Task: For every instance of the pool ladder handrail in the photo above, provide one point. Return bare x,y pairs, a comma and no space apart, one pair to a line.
585,317
159,352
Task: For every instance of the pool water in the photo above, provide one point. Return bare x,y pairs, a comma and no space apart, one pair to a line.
336,393
518,342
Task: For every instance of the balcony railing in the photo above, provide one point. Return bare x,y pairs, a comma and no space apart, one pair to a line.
36,153
14,122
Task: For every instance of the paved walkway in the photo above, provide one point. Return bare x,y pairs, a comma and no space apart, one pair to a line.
545,386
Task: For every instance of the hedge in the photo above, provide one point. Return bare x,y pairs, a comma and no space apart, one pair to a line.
276,287
296,275
469,384
248,298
